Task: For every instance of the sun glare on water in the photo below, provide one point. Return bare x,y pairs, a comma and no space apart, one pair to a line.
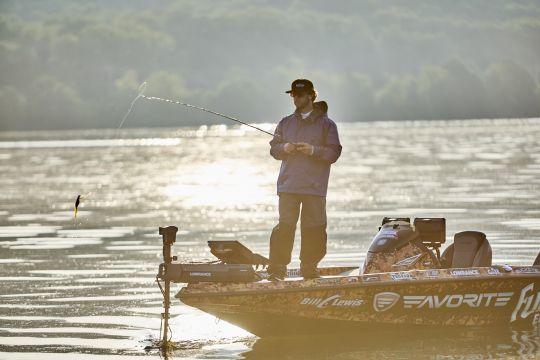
224,183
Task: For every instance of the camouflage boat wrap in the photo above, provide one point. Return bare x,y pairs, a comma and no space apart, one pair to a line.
490,296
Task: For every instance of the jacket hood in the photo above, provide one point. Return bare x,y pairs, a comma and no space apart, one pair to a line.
321,106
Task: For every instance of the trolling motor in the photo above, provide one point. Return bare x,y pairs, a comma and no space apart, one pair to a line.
169,237
236,265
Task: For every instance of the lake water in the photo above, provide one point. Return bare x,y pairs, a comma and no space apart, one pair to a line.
85,288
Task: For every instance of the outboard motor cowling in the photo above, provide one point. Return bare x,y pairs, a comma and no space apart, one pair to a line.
398,247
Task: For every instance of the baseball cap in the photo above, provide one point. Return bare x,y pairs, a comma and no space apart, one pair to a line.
301,85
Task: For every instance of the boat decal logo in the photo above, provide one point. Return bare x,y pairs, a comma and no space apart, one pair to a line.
465,272
527,270
527,304
199,273
371,278
385,300
293,273
456,300
401,276
329,280
334,300
432,274
408,261
494,271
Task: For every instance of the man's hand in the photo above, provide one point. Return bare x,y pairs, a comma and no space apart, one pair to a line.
289,148
305,148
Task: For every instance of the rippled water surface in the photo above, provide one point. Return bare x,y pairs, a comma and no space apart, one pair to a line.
85,288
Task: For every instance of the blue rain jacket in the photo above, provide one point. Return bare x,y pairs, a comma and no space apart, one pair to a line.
305,174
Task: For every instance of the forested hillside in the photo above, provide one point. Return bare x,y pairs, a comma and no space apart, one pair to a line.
78,64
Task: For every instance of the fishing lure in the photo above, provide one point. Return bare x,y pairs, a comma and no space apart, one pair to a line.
77,203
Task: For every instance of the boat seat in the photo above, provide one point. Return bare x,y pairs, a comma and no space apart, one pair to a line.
470,249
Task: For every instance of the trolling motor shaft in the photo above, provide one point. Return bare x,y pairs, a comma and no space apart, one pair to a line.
169,237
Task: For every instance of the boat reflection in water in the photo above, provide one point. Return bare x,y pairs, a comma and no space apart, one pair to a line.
370,343
410,343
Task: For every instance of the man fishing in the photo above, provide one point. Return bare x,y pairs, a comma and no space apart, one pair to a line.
307,143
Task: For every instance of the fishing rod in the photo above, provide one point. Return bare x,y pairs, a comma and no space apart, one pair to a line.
174,102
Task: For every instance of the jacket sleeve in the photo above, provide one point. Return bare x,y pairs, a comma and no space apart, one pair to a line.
276,144
331,150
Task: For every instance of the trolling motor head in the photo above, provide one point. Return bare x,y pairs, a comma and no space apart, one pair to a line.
169,238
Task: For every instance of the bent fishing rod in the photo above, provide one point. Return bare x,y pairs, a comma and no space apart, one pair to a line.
175,102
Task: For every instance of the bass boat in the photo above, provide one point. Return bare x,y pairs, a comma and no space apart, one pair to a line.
404,281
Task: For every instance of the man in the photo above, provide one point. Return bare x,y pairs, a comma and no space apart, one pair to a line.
307,143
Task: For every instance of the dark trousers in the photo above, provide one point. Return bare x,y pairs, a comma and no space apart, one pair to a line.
313,232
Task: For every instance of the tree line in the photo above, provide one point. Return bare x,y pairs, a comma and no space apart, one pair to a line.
76,64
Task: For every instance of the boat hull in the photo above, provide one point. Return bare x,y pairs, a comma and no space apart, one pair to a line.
452,297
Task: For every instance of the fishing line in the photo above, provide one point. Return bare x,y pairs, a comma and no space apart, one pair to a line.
142,87
81,197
